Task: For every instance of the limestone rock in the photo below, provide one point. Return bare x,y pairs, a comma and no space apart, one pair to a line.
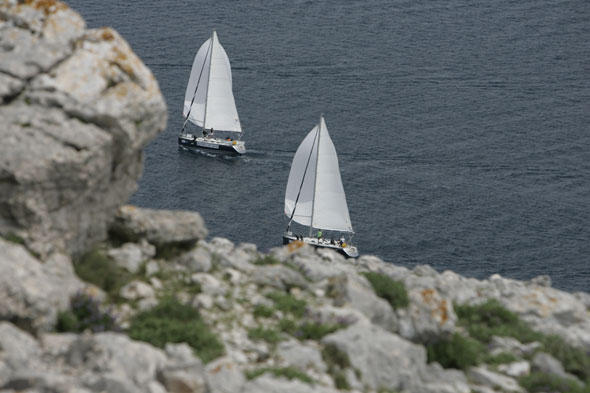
296,354
136,290
489,378
547,364
278,276
355,292
224,376
431,316
131,255
196,260
268,384
159,227
31,292
515,369
512,345
383,358
83,105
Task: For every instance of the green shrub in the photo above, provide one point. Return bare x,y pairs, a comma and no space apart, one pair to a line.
14,238
288,326
314,330
287,303
337,361
543,382
266,260
286,372
492,319
392,291
334,357
260,310
173,322
102,271
456,352
574,360
85,313
271,336
501,358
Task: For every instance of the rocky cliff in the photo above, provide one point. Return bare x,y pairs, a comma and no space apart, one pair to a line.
99,297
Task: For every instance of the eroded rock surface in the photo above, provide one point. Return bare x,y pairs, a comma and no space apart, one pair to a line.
77,107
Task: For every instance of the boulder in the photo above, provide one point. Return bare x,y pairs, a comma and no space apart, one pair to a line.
547,364
383,359
485,377
354,291
511,345
431,316
300,355
32,292
268,384
84,106
224,376
159,227
278,276
196,260
515,369
130,256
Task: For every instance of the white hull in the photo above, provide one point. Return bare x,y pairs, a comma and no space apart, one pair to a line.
188,140
348,251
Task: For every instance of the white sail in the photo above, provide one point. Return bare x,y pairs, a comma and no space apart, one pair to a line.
211,85
330,210
315,177
302,171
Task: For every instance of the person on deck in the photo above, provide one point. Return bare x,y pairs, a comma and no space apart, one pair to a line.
320,234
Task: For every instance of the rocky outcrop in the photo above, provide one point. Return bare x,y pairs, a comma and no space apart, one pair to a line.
77,107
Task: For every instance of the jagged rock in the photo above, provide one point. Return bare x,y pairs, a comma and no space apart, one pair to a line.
515,369
483,376
435,379
299,355
151,268
224,376
31,292
268,384
430,316
88,136
356,292
383,358
137,290
186,380
196,260
542,281
159,227
18,351
131,255
42,381
209,284
278,276
545,363
511,345
330,315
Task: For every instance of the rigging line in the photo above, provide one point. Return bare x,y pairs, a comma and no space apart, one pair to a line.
303,179
196,87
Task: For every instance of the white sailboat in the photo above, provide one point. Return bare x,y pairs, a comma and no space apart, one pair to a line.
209,103
315,195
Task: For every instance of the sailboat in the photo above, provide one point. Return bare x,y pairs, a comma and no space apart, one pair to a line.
209,103
315,196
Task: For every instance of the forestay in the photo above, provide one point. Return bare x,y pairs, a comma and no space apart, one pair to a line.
322,202
210,83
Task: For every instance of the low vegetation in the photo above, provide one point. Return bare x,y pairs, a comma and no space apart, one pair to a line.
260,310
266,260
393,291
173,322
543,382
337,361
456,352
100,270
287,303
271,336
286,372
85,313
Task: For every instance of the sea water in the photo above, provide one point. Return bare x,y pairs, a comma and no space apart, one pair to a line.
462,127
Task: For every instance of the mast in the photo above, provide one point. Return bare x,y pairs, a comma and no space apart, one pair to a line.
208,78
315,180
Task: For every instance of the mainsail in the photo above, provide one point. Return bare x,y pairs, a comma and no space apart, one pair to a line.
209,90
315,195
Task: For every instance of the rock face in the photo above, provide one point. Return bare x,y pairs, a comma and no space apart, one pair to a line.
77,107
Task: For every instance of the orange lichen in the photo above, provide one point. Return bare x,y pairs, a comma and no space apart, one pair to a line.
294,245
427,295
107,34
47,6
443,311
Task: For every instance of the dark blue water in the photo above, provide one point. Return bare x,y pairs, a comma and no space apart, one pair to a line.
462,127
